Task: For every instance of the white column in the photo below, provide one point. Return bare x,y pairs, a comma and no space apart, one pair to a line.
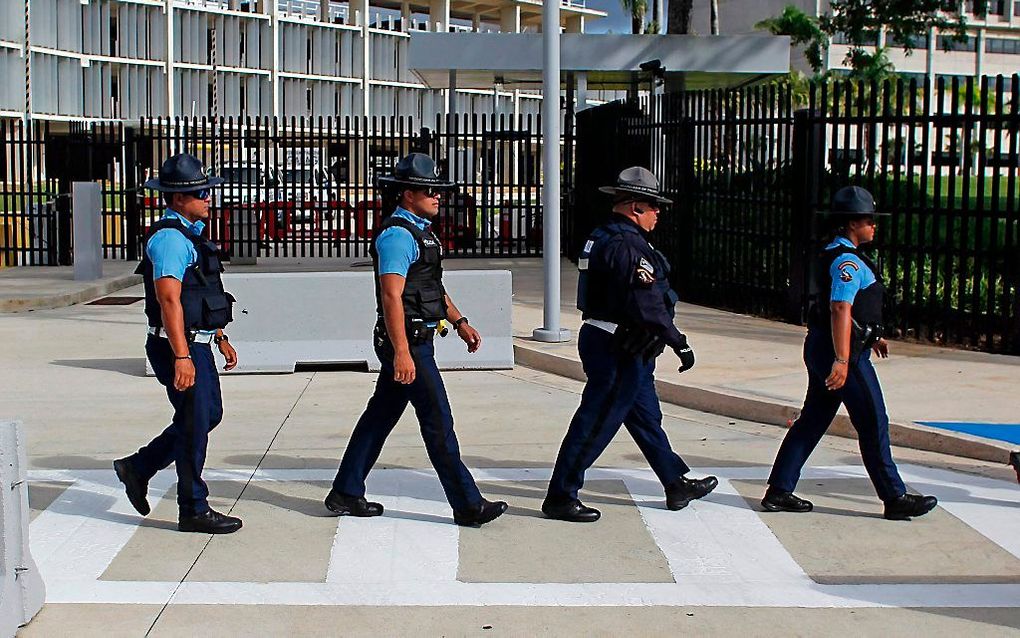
439,15
360,8
575,24
551,332
582,91
171,105
979,57
510,19
275,82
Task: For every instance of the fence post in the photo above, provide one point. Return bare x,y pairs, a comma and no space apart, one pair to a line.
130,168
806,164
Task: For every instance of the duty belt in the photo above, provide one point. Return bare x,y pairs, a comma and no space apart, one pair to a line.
193,337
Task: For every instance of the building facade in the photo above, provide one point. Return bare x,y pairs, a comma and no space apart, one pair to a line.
992,47
81,60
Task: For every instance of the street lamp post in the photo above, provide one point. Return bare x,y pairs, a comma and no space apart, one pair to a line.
550,331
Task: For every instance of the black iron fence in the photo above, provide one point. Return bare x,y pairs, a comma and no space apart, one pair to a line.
750,168
294,188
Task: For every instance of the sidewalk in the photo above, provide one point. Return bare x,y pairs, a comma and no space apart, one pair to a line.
747,368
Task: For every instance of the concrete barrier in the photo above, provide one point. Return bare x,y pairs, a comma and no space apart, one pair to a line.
285,319
87,226
21,587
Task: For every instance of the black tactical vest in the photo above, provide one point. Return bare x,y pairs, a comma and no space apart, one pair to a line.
868,303
424,295
206,305
599,295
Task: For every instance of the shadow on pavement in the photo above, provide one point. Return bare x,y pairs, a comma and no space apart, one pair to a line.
132,366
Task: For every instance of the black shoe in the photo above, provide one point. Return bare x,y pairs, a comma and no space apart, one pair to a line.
573,511
777,501
344,505
909,505
681,492
209,522
486,512
135,487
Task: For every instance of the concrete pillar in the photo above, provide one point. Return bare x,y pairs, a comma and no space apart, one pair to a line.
476,22
405,16
510,19
359,8
582,90
439,15
979,57
171,92
275,83
87,217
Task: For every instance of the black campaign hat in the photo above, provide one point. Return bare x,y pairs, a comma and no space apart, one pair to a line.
852,201
182,173
416,170
639,181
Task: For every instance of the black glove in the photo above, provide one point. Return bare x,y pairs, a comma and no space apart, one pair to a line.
686,354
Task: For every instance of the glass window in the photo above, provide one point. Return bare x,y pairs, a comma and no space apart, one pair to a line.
947,43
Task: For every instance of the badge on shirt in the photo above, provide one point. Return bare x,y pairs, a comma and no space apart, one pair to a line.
845,274
645,272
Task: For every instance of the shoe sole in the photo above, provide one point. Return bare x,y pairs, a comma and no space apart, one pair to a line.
142,507
224,530
768,507
907,517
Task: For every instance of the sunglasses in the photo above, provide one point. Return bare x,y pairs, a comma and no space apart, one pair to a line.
652,206
432,192
202,194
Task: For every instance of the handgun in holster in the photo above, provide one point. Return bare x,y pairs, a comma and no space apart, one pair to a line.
635,341
863,337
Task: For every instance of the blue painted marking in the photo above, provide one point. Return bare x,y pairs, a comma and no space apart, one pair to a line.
1008,432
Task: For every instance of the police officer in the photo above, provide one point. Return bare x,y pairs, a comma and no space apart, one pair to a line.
844,328
187,310
628,309
411,305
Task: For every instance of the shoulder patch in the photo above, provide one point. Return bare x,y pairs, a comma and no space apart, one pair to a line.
847,269
645,272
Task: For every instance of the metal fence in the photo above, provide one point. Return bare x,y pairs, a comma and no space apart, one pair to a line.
294,188
750,169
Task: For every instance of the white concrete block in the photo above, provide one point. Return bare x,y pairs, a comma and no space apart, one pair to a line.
87,218
283,319
21,587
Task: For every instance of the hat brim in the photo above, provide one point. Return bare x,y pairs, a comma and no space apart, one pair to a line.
413,182
156,185
843,213
623,190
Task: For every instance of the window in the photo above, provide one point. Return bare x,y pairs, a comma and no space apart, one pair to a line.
1002,46
868,39
991,7
947,43
914,43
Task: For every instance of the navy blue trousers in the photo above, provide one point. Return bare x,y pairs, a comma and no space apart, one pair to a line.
862,396
620,391
196,412
428,396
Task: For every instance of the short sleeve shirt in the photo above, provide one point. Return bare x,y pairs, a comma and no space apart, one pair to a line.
396,247
849,273
170,252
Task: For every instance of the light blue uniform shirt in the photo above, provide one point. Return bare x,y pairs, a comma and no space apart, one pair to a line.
849,273
396,246
171,253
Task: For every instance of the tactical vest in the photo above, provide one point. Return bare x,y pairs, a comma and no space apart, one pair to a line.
868,303
206,305
424,295
599,296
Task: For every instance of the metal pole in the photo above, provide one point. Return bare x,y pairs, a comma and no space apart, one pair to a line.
551,332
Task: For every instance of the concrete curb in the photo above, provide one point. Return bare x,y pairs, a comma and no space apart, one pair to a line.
774,412
70,298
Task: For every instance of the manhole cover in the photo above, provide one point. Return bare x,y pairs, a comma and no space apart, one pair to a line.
114,301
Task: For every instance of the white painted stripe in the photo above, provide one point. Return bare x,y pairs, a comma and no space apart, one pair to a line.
415,540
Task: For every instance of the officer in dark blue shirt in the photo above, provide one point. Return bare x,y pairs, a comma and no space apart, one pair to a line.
844,327
187,309
411,305
628,308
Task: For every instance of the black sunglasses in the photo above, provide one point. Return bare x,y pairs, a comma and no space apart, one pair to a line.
202,194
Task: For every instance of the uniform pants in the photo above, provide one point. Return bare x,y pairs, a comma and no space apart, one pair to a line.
428,396
620,391
196,412
862,396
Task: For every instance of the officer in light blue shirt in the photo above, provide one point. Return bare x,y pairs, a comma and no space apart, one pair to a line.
172,253
844,327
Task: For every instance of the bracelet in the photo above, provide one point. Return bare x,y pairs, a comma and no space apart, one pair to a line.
187,356
456,324
843,361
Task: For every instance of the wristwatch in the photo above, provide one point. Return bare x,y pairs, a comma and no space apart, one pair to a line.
218,339
456,324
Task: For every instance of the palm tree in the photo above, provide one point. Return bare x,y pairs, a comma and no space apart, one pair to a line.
637,10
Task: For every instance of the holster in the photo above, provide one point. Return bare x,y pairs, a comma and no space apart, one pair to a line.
635,341
417,332
863,337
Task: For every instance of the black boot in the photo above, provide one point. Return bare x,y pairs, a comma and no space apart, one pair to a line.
135,487
681,492
909,505
344,505
209,522
485,512
779,501
573,511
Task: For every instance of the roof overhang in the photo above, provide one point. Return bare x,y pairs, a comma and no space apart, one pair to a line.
610,61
